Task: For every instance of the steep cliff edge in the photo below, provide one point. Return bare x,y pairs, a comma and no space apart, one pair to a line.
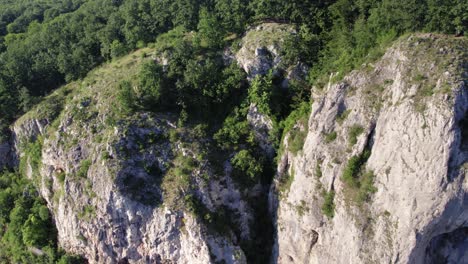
141,187
127,189
382,174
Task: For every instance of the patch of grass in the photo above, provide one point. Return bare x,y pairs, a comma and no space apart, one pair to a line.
106,155
359,182
342,116
289,125
419,77
330,137
285,183
177,181
353,133
84,167
353,168
366,187
296,140
318,171
61,177
328,207
302,208
32,155
87,213
426,90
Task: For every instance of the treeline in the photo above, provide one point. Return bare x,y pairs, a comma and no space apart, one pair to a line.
27,233
44,44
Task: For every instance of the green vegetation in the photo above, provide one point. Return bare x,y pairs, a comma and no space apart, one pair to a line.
83,170
328,207
126,96
359,182
296,124
352,170
353,133
342,117
366,187
61,177
87,213
318,171
178,180
32,156
296,141
285,183
45,44
330,137
302,208
25,222
247,165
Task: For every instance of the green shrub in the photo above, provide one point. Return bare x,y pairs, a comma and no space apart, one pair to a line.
366,187
353,133
419,77
330,137
87,213
342,116
117,49
302,208
106,155
126,97
234,132
152,86
83,170
318,171
285,182
247,164
328,207
296,140
260,93
33,155
178,180
359,182
61,177
353,168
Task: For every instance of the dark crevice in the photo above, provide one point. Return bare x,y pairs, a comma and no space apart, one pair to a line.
448,248
463,125
370,138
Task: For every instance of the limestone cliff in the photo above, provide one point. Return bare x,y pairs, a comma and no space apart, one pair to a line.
385,158
110,180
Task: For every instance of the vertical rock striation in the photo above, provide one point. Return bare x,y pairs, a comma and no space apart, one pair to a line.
403,121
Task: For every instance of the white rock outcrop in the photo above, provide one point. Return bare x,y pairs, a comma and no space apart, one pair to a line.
113,212
410,110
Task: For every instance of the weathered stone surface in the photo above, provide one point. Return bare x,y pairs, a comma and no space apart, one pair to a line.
260,52
101,177
412,107
261,125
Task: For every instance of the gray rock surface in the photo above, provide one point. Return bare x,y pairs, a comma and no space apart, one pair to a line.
412,109
102,178
260,52
261,125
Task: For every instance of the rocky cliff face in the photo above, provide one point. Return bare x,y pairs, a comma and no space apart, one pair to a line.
261,50
385,158
111,184
380,178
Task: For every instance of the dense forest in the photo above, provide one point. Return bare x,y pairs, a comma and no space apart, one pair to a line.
45,44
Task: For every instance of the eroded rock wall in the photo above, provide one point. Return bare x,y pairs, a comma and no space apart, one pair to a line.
407,112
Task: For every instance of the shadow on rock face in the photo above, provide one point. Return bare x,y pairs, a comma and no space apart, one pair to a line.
448,248
142,186
144,152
